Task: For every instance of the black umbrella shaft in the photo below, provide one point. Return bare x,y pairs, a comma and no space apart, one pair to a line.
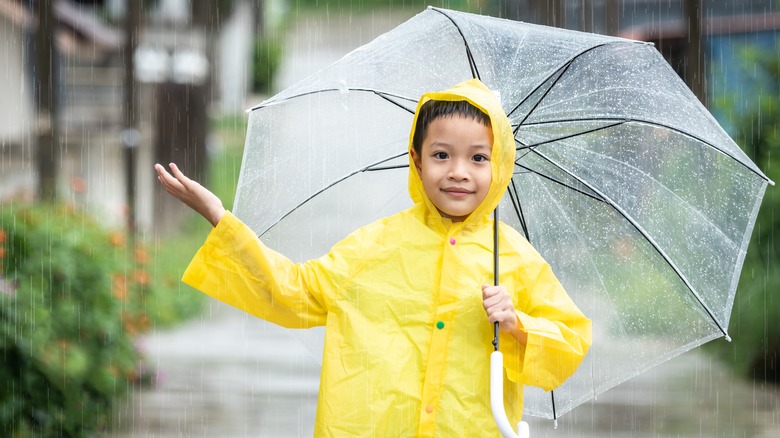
495,271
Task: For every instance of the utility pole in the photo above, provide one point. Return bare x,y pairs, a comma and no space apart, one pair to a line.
694,52
46,92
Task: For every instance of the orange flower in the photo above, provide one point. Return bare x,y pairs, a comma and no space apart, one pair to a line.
2,252
78,184
144,322
116,238
141,256
119,287
2,235
141,277
130,328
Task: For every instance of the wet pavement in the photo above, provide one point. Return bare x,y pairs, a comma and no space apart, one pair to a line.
226,374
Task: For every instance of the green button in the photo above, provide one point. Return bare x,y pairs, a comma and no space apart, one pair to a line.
440,325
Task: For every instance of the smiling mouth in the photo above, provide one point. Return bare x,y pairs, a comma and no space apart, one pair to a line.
457,191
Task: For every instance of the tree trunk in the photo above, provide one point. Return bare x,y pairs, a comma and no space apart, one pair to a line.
586,18
46,92
181,127
694,71
131,136
612,10
551,13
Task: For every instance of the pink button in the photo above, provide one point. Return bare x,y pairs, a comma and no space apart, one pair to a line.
452,241
429,409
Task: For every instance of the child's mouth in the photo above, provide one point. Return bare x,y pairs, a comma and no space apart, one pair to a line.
457,192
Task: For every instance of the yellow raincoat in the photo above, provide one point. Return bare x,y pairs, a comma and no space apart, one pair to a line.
407,341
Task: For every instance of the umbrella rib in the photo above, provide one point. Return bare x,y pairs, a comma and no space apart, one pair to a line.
547,177
618,123
555,414
372,169
562,70
472,64
644,234
515,200
538,102
382,94
353,173
662,125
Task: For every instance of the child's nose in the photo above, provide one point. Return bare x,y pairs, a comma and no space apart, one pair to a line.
459,170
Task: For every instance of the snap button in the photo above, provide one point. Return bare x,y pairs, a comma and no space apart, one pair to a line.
429,409
452,241
440,325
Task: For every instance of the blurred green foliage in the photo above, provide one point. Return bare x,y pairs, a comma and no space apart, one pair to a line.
73,299
266,59
755,349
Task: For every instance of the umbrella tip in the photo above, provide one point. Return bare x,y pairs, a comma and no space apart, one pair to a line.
728,338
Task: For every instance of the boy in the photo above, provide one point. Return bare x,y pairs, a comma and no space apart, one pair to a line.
407,328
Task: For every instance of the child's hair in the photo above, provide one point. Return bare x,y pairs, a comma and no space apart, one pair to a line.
433,109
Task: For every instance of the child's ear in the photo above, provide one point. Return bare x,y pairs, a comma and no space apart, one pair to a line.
416,160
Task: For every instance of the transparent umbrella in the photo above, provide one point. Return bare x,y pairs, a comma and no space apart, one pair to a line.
624,182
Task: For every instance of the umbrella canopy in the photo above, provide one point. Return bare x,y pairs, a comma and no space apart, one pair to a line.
624,182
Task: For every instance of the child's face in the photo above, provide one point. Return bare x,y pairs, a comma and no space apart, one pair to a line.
454,164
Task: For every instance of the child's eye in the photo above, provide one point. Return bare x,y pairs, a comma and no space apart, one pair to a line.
480,158
440,155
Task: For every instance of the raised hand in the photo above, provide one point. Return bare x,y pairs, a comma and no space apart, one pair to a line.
191,193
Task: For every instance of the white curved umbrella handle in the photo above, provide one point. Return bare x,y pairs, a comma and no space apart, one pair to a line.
497,399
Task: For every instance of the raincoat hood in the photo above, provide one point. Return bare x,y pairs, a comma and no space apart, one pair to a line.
502,154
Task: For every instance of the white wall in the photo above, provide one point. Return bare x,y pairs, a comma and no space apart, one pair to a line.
234,58
15,96
17,176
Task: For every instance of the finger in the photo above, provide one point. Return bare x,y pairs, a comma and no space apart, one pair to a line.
170,182
489,291
503,317
491,301
162,173
179,175
497,308
498,317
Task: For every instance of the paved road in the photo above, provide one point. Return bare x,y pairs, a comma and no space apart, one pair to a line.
225,374
229,375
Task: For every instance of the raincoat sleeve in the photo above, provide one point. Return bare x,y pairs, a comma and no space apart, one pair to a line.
235,267
559,335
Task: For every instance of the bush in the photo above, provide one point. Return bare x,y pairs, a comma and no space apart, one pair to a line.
755,350
73,298
267,56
